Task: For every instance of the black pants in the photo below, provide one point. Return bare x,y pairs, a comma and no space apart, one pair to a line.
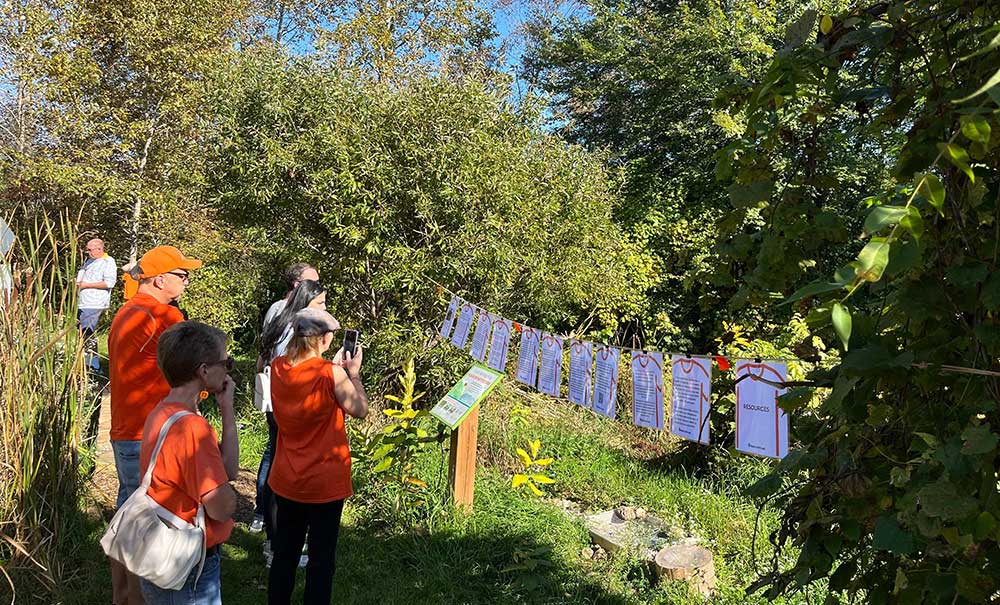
322,521
264,504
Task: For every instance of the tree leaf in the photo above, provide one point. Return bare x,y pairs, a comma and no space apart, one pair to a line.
799,31
993,81
891,537
744,196
534,488
381,452
945,500
932,190
796,398
913,222
976,128
383,466
841,318
959,157
826,25
873,259
542,479
535,446
986,524
525,458
518,480
841,578
810,290
765,486
978,440
882,216
544,461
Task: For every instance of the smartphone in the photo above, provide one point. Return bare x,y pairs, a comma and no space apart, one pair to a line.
350,343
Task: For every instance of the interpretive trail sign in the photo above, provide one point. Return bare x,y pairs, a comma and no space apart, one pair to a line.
459,409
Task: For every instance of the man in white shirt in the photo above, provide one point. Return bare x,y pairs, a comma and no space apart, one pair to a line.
94,281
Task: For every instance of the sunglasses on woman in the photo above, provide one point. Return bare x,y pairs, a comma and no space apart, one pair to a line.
228,361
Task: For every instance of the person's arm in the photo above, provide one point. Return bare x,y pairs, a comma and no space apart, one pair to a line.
348,388
220,503
230,445
110,274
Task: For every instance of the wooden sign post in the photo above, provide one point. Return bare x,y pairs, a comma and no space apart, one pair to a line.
459,409
462,461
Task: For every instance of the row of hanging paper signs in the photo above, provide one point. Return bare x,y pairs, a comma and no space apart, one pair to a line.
761,425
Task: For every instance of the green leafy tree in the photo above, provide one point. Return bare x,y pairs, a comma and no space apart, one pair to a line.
386,188
639,79
892,494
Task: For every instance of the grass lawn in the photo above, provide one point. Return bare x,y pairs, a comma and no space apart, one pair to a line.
431,553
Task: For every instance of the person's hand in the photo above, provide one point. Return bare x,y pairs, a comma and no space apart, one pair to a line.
352,365
226,395
338,358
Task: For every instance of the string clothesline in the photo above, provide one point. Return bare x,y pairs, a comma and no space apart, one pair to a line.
622,347
916,365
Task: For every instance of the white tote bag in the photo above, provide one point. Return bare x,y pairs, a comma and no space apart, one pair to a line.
152,542
262,390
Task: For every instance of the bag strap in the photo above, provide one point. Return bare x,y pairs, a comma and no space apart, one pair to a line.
199,520
148,478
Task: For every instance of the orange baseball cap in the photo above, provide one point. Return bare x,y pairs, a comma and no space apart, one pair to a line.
163,259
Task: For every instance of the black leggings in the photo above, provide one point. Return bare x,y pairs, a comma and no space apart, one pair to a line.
322,521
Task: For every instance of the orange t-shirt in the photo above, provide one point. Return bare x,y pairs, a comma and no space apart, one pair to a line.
188,467
137,384
312,461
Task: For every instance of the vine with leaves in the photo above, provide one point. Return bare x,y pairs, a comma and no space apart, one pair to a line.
891,495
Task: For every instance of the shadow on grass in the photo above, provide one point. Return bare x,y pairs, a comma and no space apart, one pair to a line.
450,567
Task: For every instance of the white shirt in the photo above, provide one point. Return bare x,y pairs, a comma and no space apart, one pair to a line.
97,270
286,336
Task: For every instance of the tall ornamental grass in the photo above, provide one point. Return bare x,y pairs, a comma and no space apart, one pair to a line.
42,393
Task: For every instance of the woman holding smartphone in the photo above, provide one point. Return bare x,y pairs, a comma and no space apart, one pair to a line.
311,471
276,336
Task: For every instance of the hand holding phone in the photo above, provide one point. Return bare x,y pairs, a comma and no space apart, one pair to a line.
350,343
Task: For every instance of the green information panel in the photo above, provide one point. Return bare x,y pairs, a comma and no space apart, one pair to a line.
466,395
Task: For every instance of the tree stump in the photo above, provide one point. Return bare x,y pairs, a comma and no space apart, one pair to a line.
693,564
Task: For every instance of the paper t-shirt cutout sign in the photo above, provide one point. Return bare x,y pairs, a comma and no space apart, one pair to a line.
647,389
550,367
449,318
761,426
461,335
465,395
527,359
581,364
690,397
499,344
481,335
606,380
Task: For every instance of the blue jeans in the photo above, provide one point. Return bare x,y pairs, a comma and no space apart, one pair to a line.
264,505
127,465
88,319
207,591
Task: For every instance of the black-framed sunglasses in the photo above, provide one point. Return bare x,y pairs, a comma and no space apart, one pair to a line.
229,362
185,276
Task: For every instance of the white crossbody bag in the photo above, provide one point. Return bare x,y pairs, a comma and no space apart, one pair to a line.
152,542
262,390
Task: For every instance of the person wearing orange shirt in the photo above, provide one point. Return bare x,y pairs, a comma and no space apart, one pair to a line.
137,384
193,468
311,471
